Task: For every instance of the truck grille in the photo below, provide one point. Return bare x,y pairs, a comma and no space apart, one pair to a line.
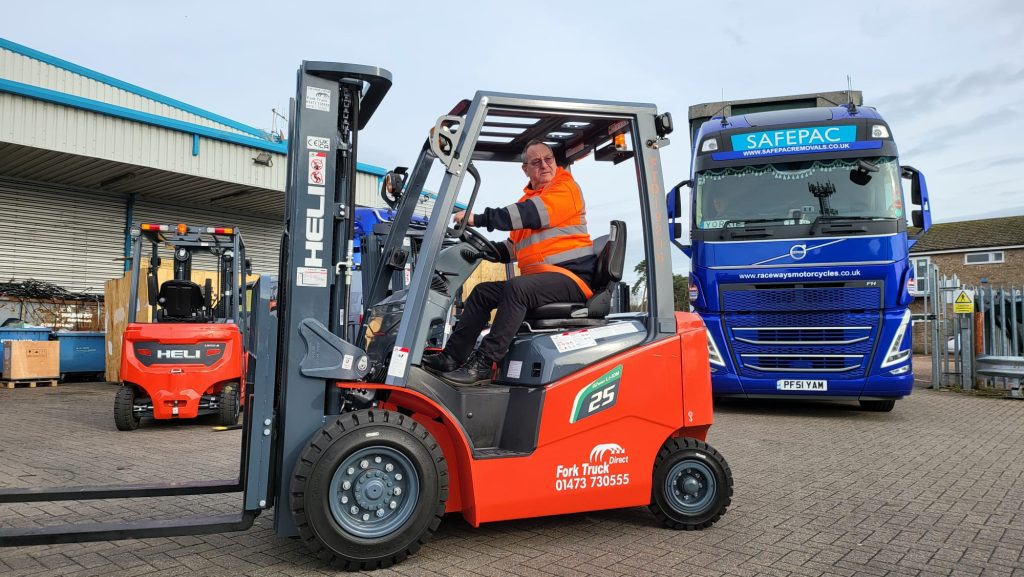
764,343
766,363
797,299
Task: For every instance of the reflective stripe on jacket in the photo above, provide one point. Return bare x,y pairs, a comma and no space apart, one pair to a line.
562,235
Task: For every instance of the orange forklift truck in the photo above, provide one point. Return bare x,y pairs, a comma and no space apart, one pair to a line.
361,450
188,361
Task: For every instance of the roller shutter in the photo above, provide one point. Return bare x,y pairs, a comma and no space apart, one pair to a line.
67,236
261,233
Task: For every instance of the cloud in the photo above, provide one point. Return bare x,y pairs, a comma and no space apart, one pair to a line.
928,96
944,137
981,164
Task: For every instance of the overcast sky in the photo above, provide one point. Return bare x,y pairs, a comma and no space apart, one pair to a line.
947,76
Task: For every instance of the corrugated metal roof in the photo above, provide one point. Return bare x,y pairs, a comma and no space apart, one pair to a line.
23,64
41,165
970,234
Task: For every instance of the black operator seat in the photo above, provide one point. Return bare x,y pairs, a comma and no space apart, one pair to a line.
180,301
608,271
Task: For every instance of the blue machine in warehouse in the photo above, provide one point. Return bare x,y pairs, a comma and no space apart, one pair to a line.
799,248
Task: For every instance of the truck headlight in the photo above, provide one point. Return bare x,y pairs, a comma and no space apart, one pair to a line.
895,355
713,355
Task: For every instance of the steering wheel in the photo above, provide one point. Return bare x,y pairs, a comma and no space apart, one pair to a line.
479,242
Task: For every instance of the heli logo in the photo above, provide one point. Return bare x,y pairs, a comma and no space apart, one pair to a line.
600,452
315,228
177,354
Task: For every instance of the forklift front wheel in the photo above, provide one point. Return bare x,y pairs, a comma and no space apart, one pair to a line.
227,411
369,489
692,484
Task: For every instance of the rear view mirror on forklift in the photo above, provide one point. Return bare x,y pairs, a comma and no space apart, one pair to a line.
391,186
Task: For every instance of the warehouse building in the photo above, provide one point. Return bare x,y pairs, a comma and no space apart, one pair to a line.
84,156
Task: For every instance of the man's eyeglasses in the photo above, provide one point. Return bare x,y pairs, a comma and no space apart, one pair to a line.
538,162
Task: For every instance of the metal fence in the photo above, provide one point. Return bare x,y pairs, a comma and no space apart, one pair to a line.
983,347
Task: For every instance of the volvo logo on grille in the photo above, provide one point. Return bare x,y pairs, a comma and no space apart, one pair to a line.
798,251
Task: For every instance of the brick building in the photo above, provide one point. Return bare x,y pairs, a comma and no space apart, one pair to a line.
989,251
977,251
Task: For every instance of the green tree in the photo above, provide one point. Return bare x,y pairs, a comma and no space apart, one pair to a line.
680,287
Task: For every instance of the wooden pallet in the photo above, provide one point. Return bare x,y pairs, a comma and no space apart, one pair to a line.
30,383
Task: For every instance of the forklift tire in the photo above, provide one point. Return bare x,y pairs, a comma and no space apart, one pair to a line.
692,484
227,412
369,489
883,406
124,409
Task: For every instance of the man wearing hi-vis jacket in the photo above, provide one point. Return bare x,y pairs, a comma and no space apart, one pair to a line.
548,236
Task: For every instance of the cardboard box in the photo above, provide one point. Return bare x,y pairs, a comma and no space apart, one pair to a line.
31,360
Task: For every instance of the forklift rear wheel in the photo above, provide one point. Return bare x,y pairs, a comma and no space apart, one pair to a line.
369,489
692,484
883,406
125,417
227,412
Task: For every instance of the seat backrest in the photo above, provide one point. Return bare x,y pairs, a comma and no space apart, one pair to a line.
180,299
612,257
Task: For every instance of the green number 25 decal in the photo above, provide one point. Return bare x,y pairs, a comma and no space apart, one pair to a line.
597,396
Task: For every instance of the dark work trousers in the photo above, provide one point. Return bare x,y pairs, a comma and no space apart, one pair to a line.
512,298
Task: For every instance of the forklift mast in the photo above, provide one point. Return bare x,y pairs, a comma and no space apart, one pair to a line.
333,102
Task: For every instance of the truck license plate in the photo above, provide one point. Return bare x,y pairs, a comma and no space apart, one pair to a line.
801,385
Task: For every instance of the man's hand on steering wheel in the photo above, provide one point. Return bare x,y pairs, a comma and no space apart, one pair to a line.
484,247
458,216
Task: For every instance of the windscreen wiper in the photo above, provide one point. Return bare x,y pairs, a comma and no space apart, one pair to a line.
727,231
816,225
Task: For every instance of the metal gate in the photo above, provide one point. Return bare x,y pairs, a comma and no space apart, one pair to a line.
984,346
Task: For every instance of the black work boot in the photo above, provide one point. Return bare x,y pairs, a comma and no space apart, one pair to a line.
439,362
475,371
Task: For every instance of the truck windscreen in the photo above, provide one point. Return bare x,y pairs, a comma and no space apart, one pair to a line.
797,193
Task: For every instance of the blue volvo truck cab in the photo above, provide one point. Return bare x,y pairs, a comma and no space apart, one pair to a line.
799,248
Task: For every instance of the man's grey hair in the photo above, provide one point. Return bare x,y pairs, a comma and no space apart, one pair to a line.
536,142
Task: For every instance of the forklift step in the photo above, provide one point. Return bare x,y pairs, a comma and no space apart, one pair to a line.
84,532
36,494
497,453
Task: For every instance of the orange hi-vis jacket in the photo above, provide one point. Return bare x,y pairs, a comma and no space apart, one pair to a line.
562,235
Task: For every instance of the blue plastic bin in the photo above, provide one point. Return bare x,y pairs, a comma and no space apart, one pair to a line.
81,352
26,334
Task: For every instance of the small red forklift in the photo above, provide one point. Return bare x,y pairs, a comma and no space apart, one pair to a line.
362,451
188,361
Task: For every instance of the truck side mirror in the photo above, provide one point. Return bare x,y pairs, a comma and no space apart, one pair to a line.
674,204
919,196
676,230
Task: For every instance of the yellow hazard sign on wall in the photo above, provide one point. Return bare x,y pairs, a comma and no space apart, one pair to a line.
964,302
